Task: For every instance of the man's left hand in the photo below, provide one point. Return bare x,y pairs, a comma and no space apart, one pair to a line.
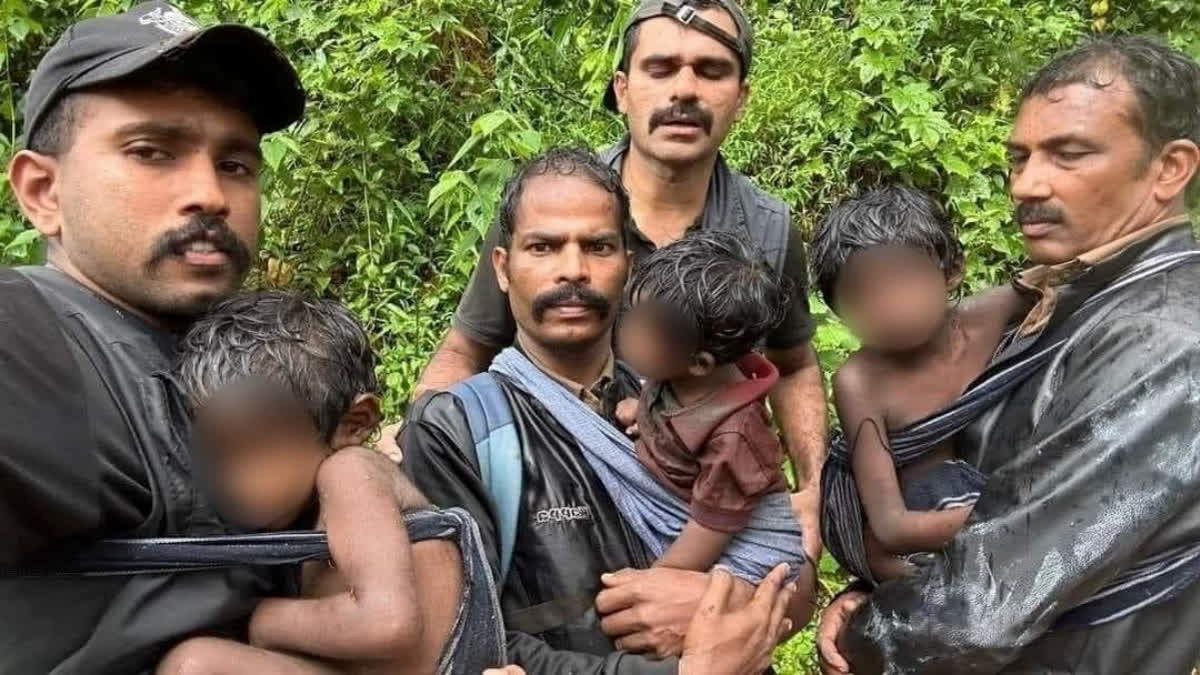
648,611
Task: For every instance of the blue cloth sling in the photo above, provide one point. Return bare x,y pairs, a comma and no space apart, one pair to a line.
652,511
1152,580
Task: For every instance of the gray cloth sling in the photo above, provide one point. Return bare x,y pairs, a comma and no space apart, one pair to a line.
655,513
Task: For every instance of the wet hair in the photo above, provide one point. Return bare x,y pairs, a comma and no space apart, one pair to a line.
1165,81
631,38
891,215
314,349
561,162
721,297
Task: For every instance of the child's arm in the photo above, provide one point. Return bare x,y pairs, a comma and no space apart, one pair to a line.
697,548
897,528
379,616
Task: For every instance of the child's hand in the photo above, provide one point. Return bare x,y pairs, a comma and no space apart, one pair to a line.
627,412
506,670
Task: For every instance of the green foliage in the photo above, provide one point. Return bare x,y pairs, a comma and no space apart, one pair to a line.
419,110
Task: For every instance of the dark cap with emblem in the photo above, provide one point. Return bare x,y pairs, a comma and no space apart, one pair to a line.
685,12
109,49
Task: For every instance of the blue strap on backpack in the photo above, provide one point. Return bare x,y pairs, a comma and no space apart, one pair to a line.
499,453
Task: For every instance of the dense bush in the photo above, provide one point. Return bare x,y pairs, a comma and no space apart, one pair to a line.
418,110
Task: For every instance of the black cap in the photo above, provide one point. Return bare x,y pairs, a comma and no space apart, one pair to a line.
685,13
110,48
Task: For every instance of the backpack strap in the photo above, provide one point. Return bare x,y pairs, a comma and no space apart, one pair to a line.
498,451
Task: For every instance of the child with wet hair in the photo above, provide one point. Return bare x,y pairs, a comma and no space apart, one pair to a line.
283,393
886,261
698,308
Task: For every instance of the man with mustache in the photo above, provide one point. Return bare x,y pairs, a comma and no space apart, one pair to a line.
1083,552
562,261
682,83
140,168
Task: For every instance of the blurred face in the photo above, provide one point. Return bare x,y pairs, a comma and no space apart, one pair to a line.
649,344
683,89
266,461
566,265
1080,175
892,297
155,202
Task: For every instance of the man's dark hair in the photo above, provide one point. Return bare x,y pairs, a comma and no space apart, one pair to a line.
631,37
561,162
56,132
891,215
1165,81
721,297
314,349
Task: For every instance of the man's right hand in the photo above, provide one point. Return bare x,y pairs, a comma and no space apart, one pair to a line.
833,622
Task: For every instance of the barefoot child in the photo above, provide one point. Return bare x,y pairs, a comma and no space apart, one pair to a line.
885,262
698,308
284,395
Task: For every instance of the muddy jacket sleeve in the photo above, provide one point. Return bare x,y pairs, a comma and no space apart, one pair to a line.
49,470
1104,456
439,456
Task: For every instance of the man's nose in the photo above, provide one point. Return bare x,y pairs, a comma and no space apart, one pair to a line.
684,85
1030,181
203,192
573,266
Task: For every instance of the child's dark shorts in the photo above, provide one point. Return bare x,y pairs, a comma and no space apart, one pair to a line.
949,485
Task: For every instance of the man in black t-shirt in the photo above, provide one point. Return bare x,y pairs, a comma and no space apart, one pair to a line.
682,83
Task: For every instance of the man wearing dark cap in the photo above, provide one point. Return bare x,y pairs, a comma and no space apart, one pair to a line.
140,169
681,85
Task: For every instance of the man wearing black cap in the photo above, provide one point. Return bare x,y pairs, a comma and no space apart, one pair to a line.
140,169
681,85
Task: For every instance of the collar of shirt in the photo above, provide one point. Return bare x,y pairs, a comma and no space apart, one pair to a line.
722,207
593,395
1044,281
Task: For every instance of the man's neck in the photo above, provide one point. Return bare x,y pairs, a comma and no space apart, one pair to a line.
64,265
666,198
582,364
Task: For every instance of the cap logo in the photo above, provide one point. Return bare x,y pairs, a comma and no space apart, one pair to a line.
685,14
169,20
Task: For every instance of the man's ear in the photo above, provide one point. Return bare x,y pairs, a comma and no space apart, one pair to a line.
358,423
34,180
1178,160
743,100
500,264
620,84
956,273
703,363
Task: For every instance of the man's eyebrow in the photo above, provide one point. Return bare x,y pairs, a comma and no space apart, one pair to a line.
241,144
544,236
601,238
163,130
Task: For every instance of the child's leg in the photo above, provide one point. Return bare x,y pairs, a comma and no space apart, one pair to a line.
214,656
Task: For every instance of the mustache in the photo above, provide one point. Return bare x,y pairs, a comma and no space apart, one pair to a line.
683,111
573,294
207,228
1038,212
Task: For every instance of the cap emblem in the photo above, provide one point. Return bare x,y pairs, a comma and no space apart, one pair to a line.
169,20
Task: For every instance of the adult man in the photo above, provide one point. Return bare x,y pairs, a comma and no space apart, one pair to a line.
140,169
681,85
562,262
1094,460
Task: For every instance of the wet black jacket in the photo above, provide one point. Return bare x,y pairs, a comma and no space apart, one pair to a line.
569,531
1094,464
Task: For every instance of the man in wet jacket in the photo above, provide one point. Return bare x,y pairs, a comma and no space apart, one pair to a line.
1082,555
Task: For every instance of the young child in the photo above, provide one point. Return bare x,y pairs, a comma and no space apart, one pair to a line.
284,394
698,308
885,262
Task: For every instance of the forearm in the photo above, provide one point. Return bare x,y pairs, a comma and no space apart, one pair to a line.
903,531
336,627
539,658
798,401
697,548
456,359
